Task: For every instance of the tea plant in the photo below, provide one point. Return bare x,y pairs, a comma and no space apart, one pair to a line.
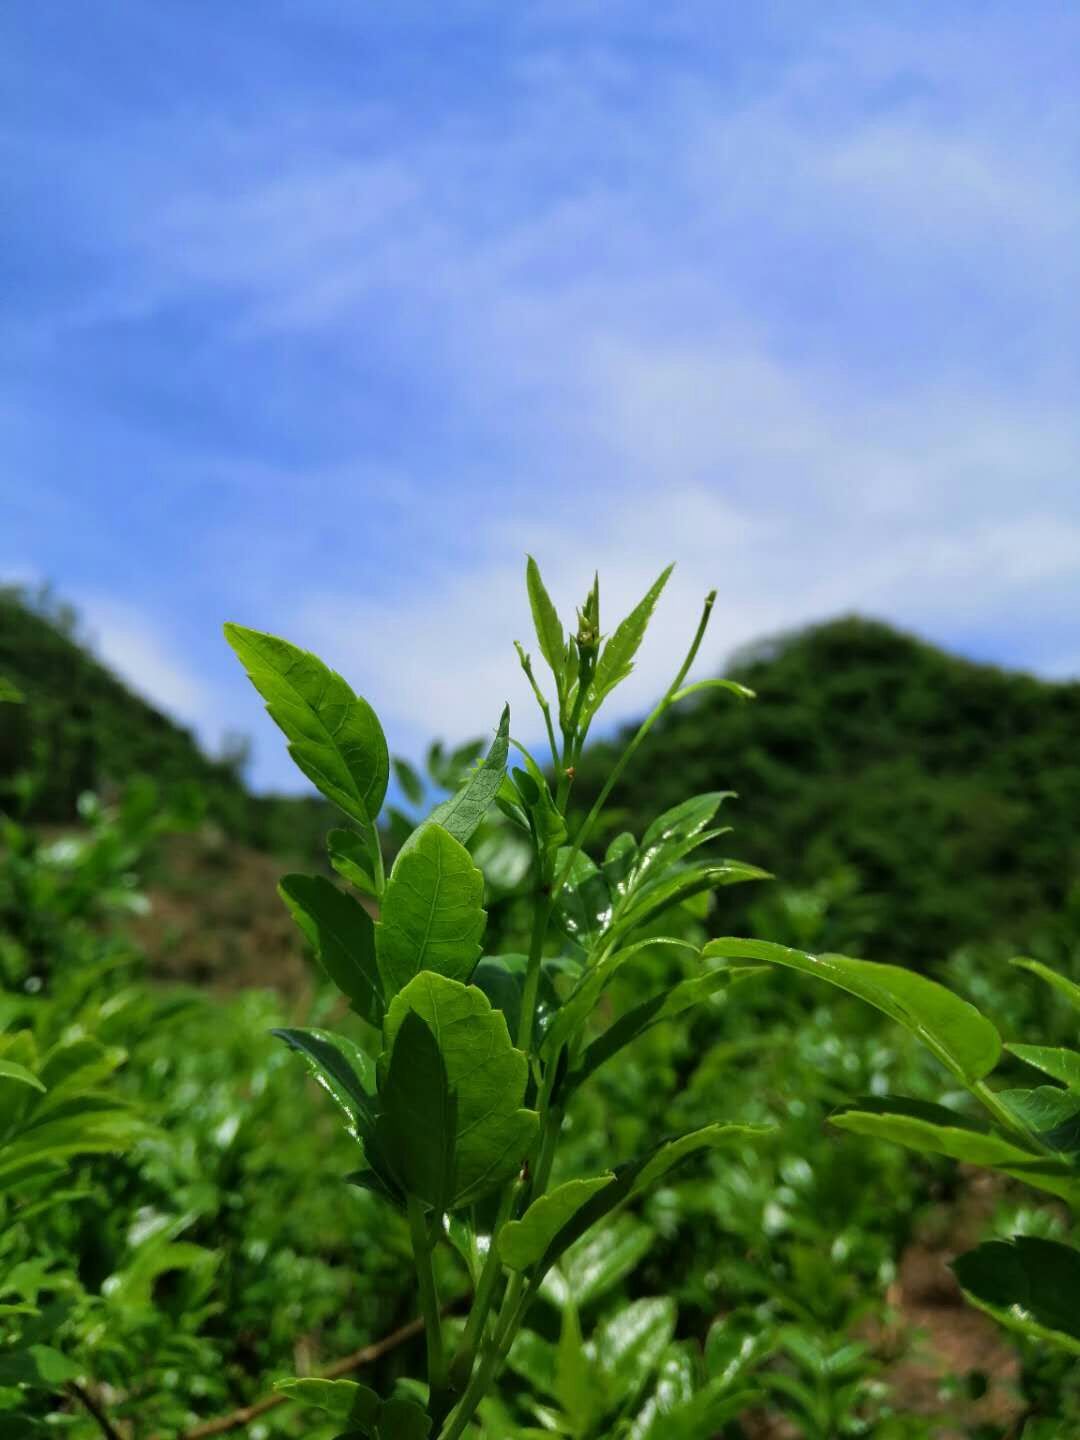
1030,1283
458,1119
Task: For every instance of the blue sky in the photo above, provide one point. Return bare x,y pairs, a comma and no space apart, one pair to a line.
318,315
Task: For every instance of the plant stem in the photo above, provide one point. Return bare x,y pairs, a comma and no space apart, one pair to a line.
541,916
429,1297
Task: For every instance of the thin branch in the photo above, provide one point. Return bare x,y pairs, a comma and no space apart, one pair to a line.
365,1356
91,1406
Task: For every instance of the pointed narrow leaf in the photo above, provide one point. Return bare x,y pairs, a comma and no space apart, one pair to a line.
951,1029
666,839
463,812
935,1129
584,906
1060,983
412,787
630,1343
432,915
682,884
351,858
522,1242
417,1126
348,1078
342,934
1062,1064
549,630
19,1074
334,736
484,1071
617,657
1027,1283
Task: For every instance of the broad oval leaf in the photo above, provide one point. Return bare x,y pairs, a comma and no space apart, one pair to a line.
1027,1283
417,1124
522,1242
432,913
961,1038
401,1419
334,735
342,934
484,1072
462,813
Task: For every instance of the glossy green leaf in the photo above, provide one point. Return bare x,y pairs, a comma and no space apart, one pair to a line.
432,914
584,906
342,934
637,1175
343,1400
619,864
502,979
951,1029
485,1073
549,630
1048,1112
616,659
351,858
463,813
1068,988
417,1127
599,1262
1063,1065
334,736
630,1343
675,833
19,1075
652,899
522,1242
342,1069
935,1129
1029,1284
578,1385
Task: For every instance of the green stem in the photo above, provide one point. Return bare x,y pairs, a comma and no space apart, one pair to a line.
429,1297
541,916
485,1293
624,759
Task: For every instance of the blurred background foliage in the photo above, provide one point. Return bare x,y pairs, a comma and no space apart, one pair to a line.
175,1228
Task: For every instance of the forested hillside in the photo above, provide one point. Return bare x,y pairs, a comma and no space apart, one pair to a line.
82,728
952,789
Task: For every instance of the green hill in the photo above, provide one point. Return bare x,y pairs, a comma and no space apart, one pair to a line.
81,728
952,788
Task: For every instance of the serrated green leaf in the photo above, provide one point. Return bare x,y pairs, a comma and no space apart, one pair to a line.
417,1125
485,1073
341,1399
334,735
1048,1112
549,630
616,659
432,914
463,813
965,1042
653,898
1062,1064
522,1242
1029,1284
19,1074
342,934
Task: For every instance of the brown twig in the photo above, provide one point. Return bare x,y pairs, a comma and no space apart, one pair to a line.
91,1406
365,1356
